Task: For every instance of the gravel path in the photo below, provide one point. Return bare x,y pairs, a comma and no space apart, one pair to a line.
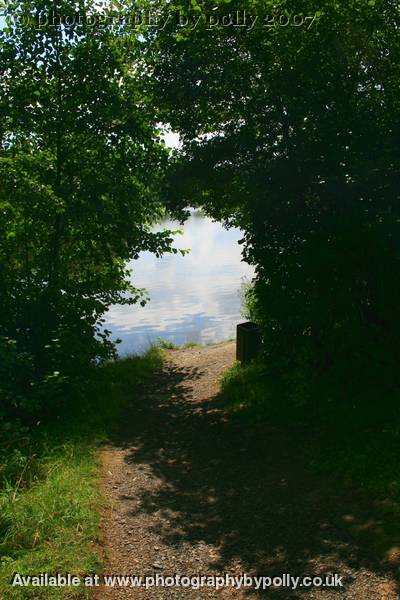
191,491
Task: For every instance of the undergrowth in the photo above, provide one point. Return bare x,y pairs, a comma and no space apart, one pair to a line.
49,498
346,442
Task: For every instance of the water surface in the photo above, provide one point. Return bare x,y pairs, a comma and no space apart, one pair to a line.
193,298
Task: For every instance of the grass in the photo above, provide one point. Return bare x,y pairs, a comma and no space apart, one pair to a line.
191,345
50,501
354,448
167,345
368,458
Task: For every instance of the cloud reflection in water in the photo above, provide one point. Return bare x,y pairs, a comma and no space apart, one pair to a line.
193,297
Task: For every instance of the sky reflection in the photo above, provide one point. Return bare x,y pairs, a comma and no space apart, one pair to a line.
195,297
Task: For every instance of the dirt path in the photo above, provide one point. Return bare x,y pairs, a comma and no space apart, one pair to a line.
193,492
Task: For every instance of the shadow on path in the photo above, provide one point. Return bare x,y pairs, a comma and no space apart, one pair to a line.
242,488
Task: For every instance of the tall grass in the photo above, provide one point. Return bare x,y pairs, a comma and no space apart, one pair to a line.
49,497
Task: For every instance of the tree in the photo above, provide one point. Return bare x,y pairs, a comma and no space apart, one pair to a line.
80,165
290,130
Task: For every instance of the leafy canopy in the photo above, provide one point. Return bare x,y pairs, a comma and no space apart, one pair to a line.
80,171
291,132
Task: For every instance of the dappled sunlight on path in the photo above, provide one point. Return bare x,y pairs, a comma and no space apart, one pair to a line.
195,491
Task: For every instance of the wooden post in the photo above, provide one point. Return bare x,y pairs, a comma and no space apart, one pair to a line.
248,342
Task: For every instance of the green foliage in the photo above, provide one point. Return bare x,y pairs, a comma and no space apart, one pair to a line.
291,133
53,525
249,301
367,458
191,345
351,447
238,395
49,495
80,172
250,391
165,344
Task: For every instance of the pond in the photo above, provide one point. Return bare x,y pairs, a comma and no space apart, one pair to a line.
193,298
